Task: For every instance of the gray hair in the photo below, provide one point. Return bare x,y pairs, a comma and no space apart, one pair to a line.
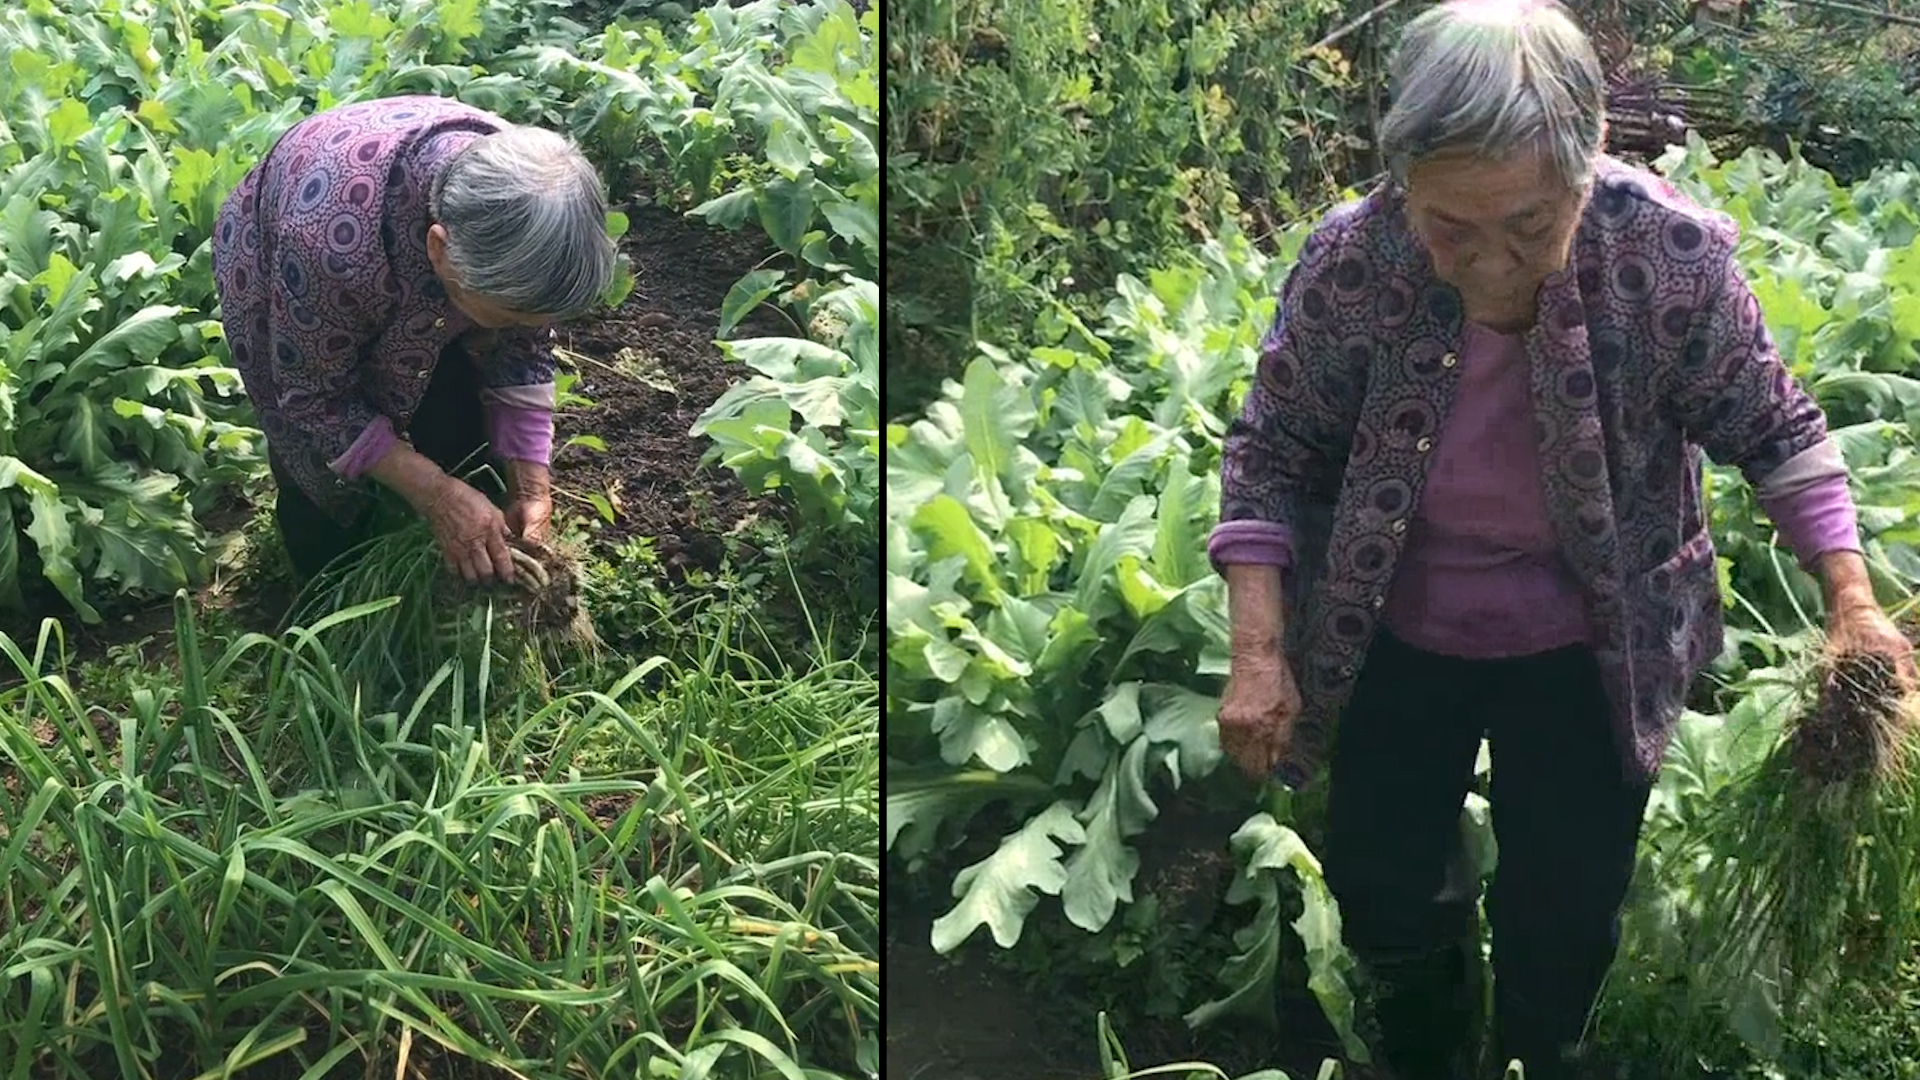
1493,78
526,221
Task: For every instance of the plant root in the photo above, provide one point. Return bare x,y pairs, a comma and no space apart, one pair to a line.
1857,727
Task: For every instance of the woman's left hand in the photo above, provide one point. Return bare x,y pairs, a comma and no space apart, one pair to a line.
530,516
1864,628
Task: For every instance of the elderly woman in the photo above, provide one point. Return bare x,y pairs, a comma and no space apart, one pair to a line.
1464,501
385,277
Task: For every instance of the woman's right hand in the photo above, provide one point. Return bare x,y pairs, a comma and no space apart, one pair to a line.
1257,711
471,530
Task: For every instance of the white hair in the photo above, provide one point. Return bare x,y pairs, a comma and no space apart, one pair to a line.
526,221
1494,78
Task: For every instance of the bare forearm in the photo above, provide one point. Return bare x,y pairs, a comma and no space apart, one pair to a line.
1254,606
529,479
1844,576
411,474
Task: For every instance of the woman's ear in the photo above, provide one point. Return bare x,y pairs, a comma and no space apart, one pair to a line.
437,247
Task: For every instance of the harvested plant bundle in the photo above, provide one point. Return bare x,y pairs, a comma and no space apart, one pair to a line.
418,615
1813,858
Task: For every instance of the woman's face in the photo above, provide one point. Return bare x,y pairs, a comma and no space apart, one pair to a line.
1495,230
484,313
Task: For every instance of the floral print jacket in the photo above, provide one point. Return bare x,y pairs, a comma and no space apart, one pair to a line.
1649,349
332,312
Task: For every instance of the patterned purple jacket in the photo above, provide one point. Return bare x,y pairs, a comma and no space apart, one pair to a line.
332,311
1649,348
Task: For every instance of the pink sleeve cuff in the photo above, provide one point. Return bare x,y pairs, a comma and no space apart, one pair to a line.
1816,520
520,432
1262,543
375,440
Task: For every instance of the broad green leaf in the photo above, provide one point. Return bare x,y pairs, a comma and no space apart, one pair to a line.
51,530
834,46
1019,627
999,891
1036,549
1100,875
917,465
26,236
949,532
995,415
1179,548
1132,535
1267,849
920,633
919,801
460,20
151,550
969,733
730,211
856,223
769,102
59,276
1142,594
786,212
153,112
68,122
818,402
141,338
1074,639
788,359
10,595
747,294
1120,713
1187,720
84,438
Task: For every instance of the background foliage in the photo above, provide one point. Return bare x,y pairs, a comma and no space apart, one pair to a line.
231,860
1073,342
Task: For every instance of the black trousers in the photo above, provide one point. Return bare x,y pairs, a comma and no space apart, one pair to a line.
1566,821
449,429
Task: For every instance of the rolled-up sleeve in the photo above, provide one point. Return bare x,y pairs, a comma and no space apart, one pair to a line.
1808,500
517,394
1737,399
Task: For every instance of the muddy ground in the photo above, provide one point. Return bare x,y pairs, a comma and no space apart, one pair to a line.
651,367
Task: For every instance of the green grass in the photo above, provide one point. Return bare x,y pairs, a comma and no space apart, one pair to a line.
671,872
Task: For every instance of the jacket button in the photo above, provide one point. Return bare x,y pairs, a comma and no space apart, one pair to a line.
1400,526
1450,360
420,374
441,324
1379,602
1425,444
1347,672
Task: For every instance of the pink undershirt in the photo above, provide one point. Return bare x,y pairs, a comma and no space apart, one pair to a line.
1482,576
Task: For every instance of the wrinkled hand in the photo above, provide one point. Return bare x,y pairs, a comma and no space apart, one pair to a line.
530,517
472,532
1257,712
1864,628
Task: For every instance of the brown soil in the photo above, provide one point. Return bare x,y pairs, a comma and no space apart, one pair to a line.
651,367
